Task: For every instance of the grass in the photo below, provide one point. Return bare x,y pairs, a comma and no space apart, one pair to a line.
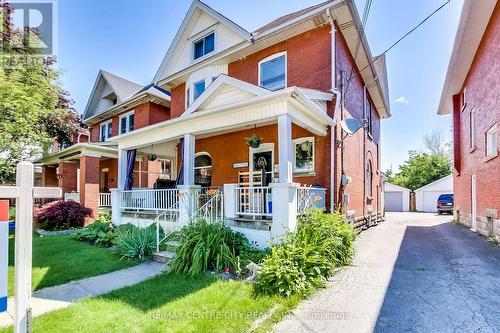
60,259
171,303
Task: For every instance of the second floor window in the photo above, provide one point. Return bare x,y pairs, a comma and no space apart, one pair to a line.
198,89
106,131
492,142
369,116
272,72
127,123
204,46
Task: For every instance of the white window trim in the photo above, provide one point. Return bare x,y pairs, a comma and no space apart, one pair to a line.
494,150
271,57
125,115
193,59
192,88
105,123
294,153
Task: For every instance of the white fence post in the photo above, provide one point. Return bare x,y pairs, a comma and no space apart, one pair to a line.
230,200
115,207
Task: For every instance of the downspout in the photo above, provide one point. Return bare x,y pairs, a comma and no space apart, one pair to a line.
335,112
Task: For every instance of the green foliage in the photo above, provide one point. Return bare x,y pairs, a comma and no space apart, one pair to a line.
34,108
421,169
304,260
134,242
12,213
207,246
101,232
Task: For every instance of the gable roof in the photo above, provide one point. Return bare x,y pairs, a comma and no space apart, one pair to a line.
471,27
445,178
121,87
197,5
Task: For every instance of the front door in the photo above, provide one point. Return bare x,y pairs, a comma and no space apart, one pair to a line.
261,165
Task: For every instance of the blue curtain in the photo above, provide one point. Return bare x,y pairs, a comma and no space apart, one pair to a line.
129,180
180,175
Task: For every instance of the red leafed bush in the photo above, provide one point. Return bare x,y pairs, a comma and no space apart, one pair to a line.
59,215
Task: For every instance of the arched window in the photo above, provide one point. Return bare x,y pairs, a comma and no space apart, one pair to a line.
203,170
369,179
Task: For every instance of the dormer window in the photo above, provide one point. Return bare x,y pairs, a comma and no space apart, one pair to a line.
114,101
272,72
204,45
127,122
105,130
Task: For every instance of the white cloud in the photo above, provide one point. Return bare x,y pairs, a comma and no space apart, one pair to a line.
402,100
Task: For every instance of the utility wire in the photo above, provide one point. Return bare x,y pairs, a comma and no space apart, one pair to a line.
403,37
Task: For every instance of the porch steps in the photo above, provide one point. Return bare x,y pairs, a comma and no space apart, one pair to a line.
163,256
166,256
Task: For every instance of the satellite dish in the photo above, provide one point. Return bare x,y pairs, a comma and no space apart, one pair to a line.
351,126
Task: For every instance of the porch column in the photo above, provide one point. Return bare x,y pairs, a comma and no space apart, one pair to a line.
188,191
122,168
115,207
285,148
188,159
89,183
66,177
284,198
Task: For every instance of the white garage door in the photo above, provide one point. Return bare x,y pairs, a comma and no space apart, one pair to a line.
393,201
430,198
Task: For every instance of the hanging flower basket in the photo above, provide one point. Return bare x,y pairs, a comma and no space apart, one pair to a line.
152,157
254,141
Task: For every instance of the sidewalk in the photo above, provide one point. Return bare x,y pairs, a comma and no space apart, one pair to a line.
57,297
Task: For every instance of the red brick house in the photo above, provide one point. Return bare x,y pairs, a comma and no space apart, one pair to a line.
471,96
289,84
87,170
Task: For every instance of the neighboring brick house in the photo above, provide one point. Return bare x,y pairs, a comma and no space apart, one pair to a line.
87,169
471,95
288,83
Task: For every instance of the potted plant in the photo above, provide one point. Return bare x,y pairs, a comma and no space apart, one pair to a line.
254,141
152,157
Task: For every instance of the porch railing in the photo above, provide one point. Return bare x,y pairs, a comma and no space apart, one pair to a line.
212,210
168,221
309,197
149,200
253,201
104,199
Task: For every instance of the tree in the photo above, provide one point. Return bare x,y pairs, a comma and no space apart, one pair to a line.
421,169
34,109
436,144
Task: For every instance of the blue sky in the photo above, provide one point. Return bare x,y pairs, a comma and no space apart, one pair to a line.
130,38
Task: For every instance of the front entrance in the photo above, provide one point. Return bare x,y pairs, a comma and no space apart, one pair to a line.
261,164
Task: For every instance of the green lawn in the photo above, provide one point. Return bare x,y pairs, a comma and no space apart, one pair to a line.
59,259
170,303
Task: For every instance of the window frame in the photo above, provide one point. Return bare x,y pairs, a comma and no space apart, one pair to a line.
202,38
472,129
194,88
127,122
369,180
203,153
296,170
107,123
270,58
491,150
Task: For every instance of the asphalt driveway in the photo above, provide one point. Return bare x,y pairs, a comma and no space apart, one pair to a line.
414,272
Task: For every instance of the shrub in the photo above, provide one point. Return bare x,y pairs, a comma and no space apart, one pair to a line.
134,242
304,260
101,232
207,246
12,213
58,215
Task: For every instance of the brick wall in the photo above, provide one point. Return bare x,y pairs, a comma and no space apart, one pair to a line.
112,165
67,179
144,115
482,95
89,184
49,177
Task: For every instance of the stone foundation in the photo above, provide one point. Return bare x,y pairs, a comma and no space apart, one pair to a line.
486,225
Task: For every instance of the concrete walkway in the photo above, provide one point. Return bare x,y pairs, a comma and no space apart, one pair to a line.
57,297
413,273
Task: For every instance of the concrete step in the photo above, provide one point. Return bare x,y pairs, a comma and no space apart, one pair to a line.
163,256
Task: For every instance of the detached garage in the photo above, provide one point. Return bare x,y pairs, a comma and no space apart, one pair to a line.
426,196
396,198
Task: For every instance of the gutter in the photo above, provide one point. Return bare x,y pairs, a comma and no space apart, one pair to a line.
336,110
